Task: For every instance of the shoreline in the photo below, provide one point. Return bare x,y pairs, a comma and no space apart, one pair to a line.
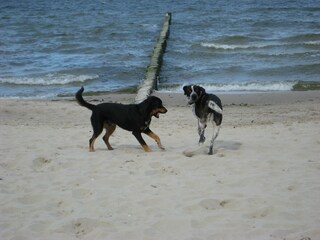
178,99
264,97
257,108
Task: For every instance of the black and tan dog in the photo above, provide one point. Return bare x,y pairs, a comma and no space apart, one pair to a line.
205,107
135,118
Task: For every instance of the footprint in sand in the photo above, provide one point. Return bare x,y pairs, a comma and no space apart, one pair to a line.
163,171
64,208
83,226
41,164
261,213
159,169
228,145
81,193
219,146
198,151
212,204
188,153
31,199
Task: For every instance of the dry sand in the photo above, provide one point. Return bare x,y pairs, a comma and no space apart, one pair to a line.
261,183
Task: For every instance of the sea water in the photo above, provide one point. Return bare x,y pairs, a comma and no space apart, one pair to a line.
50,48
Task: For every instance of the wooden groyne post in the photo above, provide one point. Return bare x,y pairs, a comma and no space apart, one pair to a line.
153,70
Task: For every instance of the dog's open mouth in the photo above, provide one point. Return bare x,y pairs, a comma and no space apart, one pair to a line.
156,112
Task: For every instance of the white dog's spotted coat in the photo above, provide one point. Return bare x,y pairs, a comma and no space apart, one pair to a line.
206,107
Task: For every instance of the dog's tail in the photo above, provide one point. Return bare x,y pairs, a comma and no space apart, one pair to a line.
215,107
81,101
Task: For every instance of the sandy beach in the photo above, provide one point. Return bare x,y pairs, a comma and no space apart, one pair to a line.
262,182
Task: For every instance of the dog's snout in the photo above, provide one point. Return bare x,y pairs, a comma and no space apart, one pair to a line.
164,110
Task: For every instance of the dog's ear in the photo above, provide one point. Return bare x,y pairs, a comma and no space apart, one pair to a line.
187,90
202,91
147,105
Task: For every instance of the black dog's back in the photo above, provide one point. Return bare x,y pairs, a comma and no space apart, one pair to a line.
125,116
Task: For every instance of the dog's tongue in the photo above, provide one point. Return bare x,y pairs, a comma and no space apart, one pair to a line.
157,115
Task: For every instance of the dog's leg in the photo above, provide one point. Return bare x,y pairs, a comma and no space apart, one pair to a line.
201,127
141,141
215,135
97,129
154,136
91,143
109,130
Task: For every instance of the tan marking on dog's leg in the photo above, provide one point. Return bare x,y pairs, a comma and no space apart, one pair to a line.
91,143
156,138
141,141
146,148
109,130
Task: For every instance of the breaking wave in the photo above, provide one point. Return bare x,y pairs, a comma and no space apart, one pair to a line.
237,87
48,79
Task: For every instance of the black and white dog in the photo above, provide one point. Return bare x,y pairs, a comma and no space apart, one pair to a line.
207,107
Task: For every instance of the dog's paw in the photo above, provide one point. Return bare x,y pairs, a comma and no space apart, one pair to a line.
146,148
210,152
202,139
161,147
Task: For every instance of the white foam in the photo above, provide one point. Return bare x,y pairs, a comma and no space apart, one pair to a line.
312,43
33,97
224,46
49,79
269,86
235,46
238,87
